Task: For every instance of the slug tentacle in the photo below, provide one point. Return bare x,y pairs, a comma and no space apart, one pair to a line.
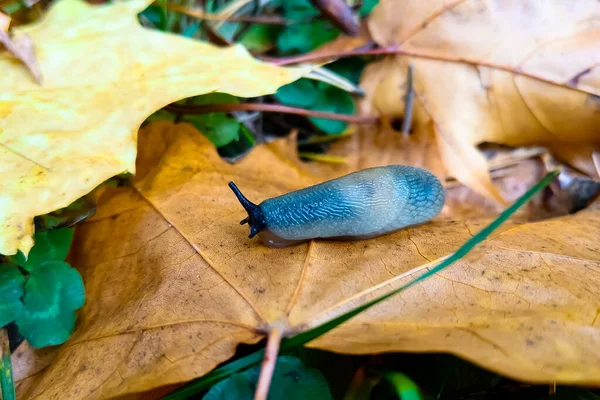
360,205
256,218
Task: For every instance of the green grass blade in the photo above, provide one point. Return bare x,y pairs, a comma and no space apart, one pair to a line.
287,344
7,386
215,376
405,388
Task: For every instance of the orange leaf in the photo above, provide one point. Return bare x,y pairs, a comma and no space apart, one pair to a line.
174,283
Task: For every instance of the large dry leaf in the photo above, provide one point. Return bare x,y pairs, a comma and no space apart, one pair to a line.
103,75
516,73
174,283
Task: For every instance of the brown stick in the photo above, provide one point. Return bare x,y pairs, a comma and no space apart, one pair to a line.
256,19
316,56
397,50
268,365
212,108
338,12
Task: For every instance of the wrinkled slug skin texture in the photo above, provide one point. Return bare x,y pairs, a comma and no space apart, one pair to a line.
361,205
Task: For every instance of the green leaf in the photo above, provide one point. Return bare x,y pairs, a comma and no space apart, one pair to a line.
53,292
306,36
350,68
291,381
11,291
154,14
302,338
297,10
161,115
307,93
215,98
237,387
405,388
334,100
191,30
52,245
302,93
219,128
260,38
303,37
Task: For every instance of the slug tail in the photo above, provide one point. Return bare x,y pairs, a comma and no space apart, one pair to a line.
256,218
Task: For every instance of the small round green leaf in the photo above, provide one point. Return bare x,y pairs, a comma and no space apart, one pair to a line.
350,68
51,245
291,381
302,93
53,292
215,98
334,100
219,128
260,38
306,36
297,10
11,291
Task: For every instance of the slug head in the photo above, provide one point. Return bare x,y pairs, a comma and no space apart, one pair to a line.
256,218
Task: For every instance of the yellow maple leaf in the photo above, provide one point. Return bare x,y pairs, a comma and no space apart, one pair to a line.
103,75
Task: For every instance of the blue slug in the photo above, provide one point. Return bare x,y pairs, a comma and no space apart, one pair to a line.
360,205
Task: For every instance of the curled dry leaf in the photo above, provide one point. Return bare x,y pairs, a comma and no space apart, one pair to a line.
20,47
515,73
174,283
103,76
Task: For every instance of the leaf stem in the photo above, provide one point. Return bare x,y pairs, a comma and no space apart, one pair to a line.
278,108
417,53
7,385
268,364
256,19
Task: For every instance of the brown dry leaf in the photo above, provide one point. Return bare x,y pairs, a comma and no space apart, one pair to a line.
20,47
515,73
174,284
103,76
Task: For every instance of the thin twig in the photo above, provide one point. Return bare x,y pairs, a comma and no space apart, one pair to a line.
212,35
408,102
268,365
256,19
397,50
213,108
339,13
7,386
334,54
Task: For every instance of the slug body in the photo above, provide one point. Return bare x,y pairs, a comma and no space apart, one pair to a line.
360,205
